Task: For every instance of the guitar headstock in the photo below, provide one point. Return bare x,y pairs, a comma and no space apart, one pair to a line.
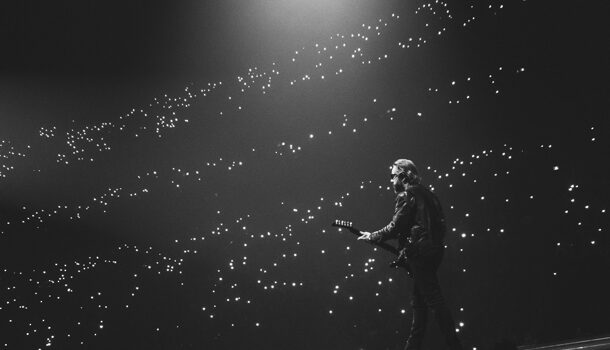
346,224
343,223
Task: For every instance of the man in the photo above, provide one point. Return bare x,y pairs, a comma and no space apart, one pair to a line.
419,226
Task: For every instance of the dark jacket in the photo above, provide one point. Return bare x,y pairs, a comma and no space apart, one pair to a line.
418,217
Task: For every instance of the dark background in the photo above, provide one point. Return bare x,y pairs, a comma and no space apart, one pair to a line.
68,279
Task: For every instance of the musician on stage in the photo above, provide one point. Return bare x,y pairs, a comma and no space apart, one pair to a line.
419,226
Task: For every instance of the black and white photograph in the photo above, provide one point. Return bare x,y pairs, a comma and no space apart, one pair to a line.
304,174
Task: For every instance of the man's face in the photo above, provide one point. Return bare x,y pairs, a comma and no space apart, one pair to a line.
394,178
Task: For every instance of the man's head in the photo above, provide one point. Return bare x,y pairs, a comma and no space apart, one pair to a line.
403,172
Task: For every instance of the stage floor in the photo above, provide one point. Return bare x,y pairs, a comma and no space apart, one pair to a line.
594,343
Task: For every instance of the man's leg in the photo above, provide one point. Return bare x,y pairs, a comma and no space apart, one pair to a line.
420,321
429,288
447,325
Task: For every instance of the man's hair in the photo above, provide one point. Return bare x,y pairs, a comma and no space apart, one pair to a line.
409,170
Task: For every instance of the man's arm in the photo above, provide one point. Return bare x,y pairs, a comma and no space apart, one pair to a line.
400,221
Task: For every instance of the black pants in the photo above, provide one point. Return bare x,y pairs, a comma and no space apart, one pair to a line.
427,295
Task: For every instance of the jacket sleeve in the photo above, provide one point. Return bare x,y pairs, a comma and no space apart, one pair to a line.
405,203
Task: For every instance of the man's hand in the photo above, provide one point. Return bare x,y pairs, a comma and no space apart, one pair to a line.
365,236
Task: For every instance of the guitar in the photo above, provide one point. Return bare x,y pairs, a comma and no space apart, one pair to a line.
401,260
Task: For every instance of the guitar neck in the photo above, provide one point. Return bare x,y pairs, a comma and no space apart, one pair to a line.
382,245
347,227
